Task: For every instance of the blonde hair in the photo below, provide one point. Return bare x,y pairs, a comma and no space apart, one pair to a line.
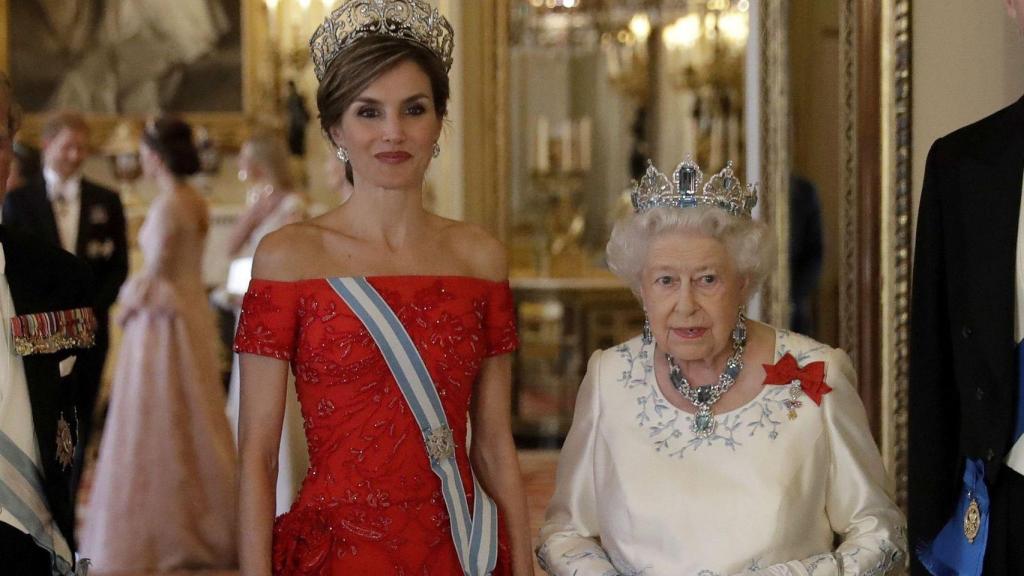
750,243
268,151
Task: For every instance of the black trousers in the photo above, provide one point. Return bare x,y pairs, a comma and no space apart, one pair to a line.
90,374
1004,555
19,554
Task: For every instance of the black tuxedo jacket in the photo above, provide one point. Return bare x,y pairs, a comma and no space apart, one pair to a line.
101,240
963,380
43,278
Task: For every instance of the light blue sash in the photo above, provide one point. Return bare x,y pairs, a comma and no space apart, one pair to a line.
22,494
475,537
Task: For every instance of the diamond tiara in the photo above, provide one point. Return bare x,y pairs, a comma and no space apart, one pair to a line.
413,20
684,190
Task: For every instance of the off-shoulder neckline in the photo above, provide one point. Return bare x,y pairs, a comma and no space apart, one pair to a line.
387,277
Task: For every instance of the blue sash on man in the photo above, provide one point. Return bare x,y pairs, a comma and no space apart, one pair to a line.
475,537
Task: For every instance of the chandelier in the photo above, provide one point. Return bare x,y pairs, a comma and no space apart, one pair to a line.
703,41
707,46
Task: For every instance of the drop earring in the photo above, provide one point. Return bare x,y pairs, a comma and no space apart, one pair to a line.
648,337
739,332
342,154
437,149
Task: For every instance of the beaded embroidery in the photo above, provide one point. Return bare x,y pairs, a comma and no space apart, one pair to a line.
369,491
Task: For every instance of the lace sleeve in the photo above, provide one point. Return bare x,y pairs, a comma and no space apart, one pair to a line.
267,325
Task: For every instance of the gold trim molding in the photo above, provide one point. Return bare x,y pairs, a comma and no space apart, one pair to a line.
774,145
848,182
896,237
882,357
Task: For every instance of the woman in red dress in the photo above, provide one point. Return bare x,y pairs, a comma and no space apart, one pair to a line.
372,502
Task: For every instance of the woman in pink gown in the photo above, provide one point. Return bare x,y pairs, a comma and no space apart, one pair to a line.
163,495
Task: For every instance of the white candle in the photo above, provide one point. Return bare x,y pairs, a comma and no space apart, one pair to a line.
585,143
272,19
542,162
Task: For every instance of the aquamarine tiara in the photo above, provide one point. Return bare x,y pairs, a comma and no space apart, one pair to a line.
414,20
685,190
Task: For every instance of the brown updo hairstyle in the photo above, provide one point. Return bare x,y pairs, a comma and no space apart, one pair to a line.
364,61
171,139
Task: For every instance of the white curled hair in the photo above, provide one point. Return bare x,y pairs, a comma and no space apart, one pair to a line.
750,243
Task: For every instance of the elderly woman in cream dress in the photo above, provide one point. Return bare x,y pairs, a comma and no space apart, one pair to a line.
714,445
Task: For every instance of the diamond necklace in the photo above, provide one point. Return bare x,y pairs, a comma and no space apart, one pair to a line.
705,397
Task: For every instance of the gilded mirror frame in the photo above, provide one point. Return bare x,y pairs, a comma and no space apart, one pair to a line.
875,216
226,128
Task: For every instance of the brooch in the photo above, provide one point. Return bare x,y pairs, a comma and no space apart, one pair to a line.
49,332
65,444
808,380
972,519
440,443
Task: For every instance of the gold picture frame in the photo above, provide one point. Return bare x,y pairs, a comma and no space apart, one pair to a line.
227,129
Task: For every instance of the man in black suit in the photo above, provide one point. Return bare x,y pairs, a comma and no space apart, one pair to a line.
44,320
85,219
966,487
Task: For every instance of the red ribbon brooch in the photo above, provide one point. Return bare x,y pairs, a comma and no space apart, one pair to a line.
809,379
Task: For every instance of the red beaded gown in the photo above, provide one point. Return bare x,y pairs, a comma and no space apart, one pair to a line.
370,503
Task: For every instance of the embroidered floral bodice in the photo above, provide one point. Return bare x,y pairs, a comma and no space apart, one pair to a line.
638,493
370,503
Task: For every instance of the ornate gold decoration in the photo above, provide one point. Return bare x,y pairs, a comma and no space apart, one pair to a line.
972,520
848,182
896,244
894,255
65,443
775,122
228,129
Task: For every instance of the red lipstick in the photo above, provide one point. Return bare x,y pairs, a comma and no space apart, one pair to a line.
396,157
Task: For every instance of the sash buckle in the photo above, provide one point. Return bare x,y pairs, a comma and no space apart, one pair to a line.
440,443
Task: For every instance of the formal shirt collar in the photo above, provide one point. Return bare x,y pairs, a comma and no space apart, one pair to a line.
70,187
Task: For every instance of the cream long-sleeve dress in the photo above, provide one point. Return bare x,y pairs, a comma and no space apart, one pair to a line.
639,494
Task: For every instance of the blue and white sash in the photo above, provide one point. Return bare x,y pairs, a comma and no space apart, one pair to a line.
22,494
475,537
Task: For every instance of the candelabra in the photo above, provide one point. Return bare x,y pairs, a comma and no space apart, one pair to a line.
560,165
